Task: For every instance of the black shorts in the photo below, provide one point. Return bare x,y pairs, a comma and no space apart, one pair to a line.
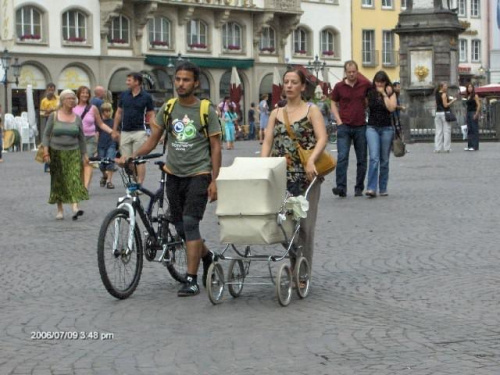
187,196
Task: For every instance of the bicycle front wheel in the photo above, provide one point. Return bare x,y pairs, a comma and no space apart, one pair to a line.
120,267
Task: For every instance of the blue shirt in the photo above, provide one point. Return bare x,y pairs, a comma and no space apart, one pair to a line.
97,102
133,110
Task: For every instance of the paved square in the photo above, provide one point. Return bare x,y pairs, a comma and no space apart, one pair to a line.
404,284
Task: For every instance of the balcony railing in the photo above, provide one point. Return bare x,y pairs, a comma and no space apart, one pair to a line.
369,57
390,58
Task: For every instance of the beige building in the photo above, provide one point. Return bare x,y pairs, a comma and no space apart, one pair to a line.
90,42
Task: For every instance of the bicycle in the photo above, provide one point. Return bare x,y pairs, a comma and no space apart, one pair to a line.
120,248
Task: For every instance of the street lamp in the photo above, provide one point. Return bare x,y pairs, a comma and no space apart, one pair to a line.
171,67
6,58
316,66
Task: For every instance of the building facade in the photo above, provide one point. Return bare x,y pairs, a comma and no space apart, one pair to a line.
74,42
375,46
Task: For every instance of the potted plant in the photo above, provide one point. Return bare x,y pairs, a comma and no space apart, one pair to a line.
329,53
197,46
159,43
267,50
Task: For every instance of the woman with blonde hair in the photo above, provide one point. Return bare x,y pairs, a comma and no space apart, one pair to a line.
65,150
442,139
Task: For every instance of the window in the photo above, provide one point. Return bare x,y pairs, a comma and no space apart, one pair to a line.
368,45
74,26
119,31
300,41
403,4
476,51
197,34
462,50
475,8
388,53
327,43
268,40
387,4
231,36
367,3
29,24
462,8
159,32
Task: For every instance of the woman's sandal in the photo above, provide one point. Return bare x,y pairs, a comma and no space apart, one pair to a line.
76,214
110,185
102,183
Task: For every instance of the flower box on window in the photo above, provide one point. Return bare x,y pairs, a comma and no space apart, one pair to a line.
300,52
267,50
159,43
233,47
197,46
30,37
75,39
118,41
328,53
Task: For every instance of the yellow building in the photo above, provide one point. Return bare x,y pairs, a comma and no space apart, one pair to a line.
374,45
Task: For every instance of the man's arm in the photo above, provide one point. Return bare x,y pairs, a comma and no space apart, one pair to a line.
336,114
216,156
151,141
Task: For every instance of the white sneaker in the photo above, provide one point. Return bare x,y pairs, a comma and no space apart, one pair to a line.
471,149
466,149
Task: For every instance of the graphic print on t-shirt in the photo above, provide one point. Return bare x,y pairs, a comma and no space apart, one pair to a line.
184,130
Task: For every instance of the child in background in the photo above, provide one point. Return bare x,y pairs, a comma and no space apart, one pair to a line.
106,147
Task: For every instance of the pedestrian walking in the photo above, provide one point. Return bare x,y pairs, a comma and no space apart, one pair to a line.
64,150
442,138
193,163
264,116
91,120
135,109
306,122
348,108
48,105
106,147
99,97
473,105
382,102
251,122
230,119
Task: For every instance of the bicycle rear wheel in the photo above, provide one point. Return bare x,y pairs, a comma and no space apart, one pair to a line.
120,268
177,255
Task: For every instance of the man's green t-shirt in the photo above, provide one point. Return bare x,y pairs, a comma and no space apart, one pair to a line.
188,150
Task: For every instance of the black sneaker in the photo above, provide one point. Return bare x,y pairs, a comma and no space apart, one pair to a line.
358,193
190,288
337,191
207,261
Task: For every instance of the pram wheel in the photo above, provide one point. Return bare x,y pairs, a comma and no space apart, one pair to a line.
284,285
235,277
302,277
215,283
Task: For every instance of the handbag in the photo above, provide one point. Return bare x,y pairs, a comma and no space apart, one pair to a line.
398,144
449,116
324,164
39,151
39,154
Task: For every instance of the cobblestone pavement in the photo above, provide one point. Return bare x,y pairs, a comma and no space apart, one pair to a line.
406,284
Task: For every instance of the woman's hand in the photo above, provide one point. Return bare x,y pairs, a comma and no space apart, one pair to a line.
476,116
310,170
46,158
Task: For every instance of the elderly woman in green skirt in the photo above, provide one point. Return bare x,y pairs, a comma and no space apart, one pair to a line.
65,151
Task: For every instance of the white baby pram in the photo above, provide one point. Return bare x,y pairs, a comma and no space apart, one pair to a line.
253,209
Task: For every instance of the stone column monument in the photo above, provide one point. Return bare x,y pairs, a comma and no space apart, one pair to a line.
428,37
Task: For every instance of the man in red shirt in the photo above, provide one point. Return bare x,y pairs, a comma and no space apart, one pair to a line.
348,108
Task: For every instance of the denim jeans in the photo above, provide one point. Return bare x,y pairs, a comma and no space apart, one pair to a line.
379,147
346,134
472,131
